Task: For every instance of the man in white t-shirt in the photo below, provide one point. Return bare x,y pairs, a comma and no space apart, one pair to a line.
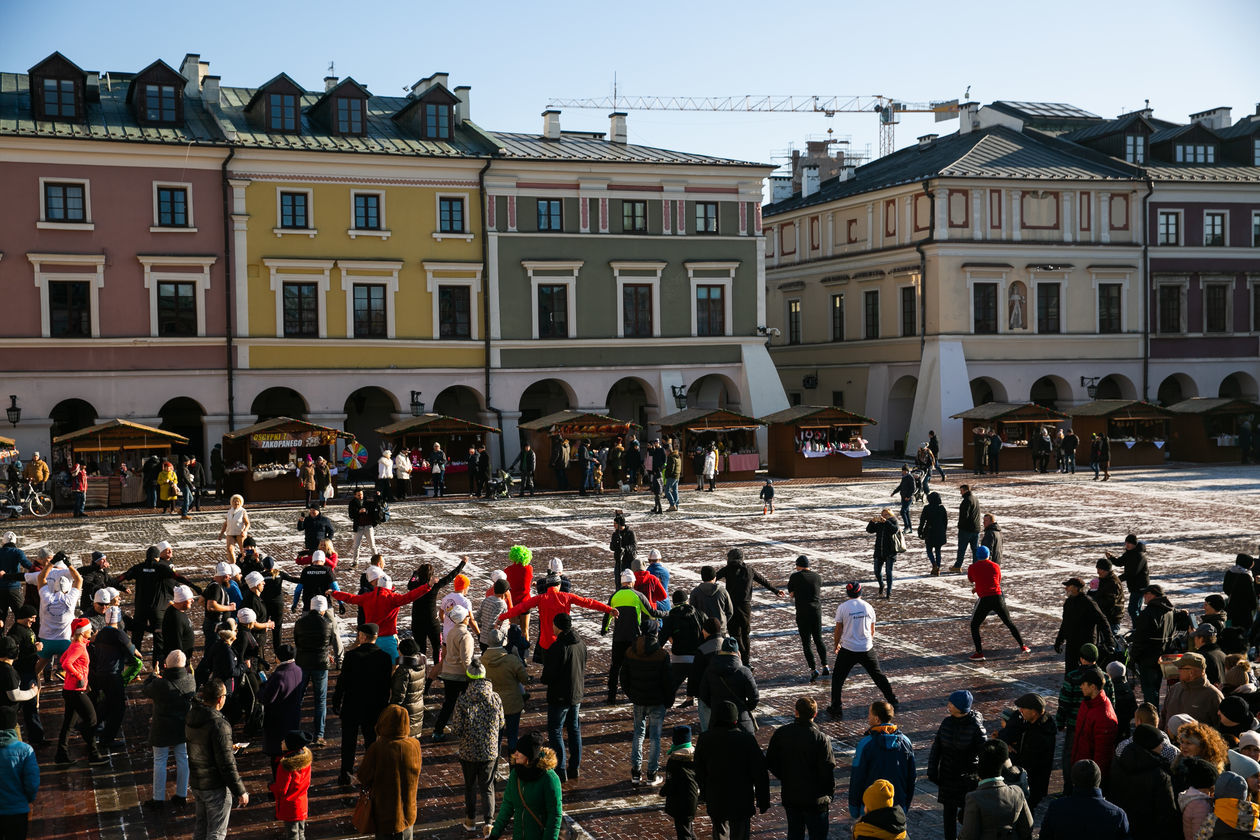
59,592
854,641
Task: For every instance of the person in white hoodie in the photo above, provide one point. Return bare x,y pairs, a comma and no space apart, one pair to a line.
402,474
385,475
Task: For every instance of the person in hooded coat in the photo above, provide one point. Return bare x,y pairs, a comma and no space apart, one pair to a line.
532,799
292,784
952,763
1109,596
1030,733
390,772
995,810
739,579
1135,574
732,774
172,694
883,753
1142,786
726,680
681,792
882,818
933,524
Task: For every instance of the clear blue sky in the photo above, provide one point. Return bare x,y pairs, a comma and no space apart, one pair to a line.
1106,56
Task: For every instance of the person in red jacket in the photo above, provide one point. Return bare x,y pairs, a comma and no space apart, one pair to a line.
986,581
79,708
648,583
381,605
520,578
292,784
1096,724
551,603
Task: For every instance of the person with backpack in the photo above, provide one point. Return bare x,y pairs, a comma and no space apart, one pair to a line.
727,680
986,583
681,631
887,536
933,527
805,587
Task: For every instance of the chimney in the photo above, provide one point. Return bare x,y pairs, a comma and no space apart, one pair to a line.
330,82
926,140
210,90
190,69
551,124
420,87
462,93
780,188
967,120
439,79
1213,118
809,181
617,127
847,173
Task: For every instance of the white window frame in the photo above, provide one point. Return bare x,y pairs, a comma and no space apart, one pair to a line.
467,235
1122,279
310,229
653,280
565,274
1255,225
301,271
95,280
1182,283
1181,228
187,187
87,224
1227,281
157,269
354,273
1002,279
474,285
1224,227
354,232
727,283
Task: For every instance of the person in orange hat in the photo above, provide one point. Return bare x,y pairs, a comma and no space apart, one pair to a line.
79,708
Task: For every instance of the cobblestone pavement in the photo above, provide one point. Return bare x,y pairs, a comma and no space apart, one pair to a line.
1194,520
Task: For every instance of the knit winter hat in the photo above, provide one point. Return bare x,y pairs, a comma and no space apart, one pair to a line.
1176,722
853,589
1089,652
254,579
1242,765
497,575
555,564
725,713
1085,774
1234,709
223,570
1116,670
1249,739
475,670
246,616
318,557
9,649
682,735
961,700
461,583
8,717
1147,737
627,577
982,553
1031,701
319,603
1199,773
1230,785
373,573
457,614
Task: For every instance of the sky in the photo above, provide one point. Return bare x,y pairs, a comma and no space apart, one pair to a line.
1106,56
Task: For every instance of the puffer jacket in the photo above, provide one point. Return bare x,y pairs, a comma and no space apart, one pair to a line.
646,677
882,819
1195,805
315,639
19,780
726,678
952,763
172,695
992,540
800,757
211,764
292,785
477,719
883,753
506,672
457,652
933,522
407,689
682,628
682,794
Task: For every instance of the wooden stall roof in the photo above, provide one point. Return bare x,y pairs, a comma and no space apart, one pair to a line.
820,415
709,419
7,442
1121,410
433,424
1219,405
119,434
1012,413
572,421
283,422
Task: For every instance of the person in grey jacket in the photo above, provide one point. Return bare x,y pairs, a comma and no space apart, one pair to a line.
992,538
968,526
995,810
711,599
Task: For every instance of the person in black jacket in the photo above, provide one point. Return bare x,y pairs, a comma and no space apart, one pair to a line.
906,490
112,653
177,628
1083,624
1142,786
933,525
564,669
315,579
726,680
1152,631
1109,596
315,528
800,757
991,538
150,599
732,774
362,692
1135,573
96,577
805,587
739,579
1238,588
681,630
953,760
647,681
968,526
172,694
364,517
622,545
1030,734
425,624
211,763
528,461
318,648
682,794
884,550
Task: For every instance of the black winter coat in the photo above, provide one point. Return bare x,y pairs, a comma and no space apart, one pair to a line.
884,532
731,772
1083,623
952,763
1241,592
681,792
739,579
211,764
111,652
1109,596
1141,785
177,633
728,679
363,685
407,690
315,529
1135,575
313,639
172,695
682,628
424,611
564,667
1152,630
969,514
800,756
1032,748
992,540
933,525
645,674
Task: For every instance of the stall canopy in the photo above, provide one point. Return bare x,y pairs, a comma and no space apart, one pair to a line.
8,449
1121,410
710,420
113,435
287,433
1221,405
432,425
997,412
817,417
579,423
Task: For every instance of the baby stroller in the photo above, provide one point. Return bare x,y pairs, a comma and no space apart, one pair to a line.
918,474
500,485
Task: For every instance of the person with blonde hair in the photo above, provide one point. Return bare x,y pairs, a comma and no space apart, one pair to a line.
884,526
235,527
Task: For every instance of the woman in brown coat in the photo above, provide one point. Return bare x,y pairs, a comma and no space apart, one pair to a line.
306,478
391,773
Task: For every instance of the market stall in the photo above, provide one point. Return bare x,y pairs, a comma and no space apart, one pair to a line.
113,453
261,461
550,431
1138,431
816,441
8,455
734,434
1206,430
416,435
1015,423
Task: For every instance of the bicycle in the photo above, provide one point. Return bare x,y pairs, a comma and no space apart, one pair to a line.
25,497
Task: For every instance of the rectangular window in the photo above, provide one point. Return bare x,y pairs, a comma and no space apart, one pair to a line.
1109,307
634,216
282,112
59,98
710,310
706,217
553,311
69,310
1255,230
369,311
301,310
985,308
870,313
293,210
367,211
636,310
1169,309
550,214
837,317
908,313
1255,307
172,207
349,115
1048,308
1196,153
451,215
159,103
455,311
1169,227
437,121
837,399
1214,230
794,321
1135,148
1216,308
177,309
65,203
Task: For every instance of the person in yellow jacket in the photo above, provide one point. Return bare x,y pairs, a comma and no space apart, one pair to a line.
881,818
36,471
168,487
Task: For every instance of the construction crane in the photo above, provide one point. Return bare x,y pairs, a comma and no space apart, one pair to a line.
886,108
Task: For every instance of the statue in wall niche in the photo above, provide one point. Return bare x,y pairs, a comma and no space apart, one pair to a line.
1016,298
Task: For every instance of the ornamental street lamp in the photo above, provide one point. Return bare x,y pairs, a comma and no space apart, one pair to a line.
1090,384
417,404
680,396
13,412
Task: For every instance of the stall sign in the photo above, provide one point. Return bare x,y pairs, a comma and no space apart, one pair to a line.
288,440
584,430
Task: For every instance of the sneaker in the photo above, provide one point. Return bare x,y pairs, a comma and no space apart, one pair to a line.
1025,649
635,778
813,675
155,804
470,826
656,781
825,672
977,657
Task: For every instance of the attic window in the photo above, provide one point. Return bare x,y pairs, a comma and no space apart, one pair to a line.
1195,153
349,115
159,103
1135,148
282,112
437,121
58,98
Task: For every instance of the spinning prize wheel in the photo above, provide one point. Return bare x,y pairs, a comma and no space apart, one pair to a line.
355,455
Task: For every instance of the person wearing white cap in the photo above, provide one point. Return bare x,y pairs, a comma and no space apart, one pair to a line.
381,605
385,475
252,600
177,628
113,657
101,602
57,603
657,569
13,563
457,653
315,579
218,602
631,612
318,647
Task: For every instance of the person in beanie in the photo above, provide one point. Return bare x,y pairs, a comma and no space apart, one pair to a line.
564,672
1240,592
1083,623
1195,802
681,630
805,587
172,694
1203,642
648,682
739,579
732,775
79,709
532,800
726,679
1030,733
1134,572
19,777
622,544
391,774
854,644
361,694
632,615
506,673
292,784
883,753
317,647
1085,815
1109,595
995,808
986,582
800,757
882,818
27,656
767,497
551,603
681,792
406,684
214,778
114,662
1153,630
477,721
1122,697
457,654
1234,811
1235,718
1096,723
952,763
281,696
1142,786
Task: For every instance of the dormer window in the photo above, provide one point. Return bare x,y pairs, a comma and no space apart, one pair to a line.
58,98
1135,148
159,103
1195,153
282,112
349,115
437,121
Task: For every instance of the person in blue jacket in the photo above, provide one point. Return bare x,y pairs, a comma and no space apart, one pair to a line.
883,753
19,776
657,568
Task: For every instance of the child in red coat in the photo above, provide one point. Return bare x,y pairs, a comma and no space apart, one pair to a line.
293,783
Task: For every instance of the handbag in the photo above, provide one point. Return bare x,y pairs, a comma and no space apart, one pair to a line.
362,818
899,542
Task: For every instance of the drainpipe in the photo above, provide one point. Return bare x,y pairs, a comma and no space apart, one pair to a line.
1147,287
227,289
923,270
485,306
